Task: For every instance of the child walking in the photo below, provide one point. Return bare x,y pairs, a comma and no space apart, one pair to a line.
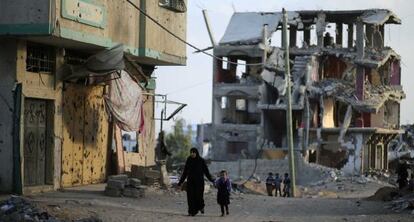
223,185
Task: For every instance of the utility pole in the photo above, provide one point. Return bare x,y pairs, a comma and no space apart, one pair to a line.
265,45
289,105
210,31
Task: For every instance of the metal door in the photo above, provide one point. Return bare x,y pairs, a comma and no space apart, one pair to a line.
35,122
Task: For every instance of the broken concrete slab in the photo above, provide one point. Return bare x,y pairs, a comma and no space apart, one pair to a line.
134,182
133,192
119,177
344,91
112,192
116,184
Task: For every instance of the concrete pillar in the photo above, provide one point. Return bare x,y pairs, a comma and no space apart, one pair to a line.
370,35
360,83
339,31
378,37
320,28
292,36
306,34
350,35
360,39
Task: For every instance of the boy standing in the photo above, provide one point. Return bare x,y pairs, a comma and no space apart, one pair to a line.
286,186
270,184
278,182
223,185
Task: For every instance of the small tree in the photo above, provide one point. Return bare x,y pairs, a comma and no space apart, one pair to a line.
179,144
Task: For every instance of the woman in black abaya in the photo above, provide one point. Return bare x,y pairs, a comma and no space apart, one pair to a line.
194,171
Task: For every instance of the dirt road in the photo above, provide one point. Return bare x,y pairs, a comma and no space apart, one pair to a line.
171,206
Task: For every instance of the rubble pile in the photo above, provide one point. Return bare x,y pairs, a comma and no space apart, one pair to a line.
121,185
338,185
384,194
18,209
403,203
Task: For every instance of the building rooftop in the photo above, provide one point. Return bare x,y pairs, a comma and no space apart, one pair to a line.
245,28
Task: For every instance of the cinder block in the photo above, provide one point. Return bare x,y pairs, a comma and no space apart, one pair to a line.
116,184
112,192
119,177
134,182
133,192
137,171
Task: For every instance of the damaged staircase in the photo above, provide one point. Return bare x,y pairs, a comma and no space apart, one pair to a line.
275,77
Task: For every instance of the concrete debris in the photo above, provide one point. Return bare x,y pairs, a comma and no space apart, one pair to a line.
375,96
19,209
146,175
116,184
384,194
403,203
121,185
379,16
403,147
253,22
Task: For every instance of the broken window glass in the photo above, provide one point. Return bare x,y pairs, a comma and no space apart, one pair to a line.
174,5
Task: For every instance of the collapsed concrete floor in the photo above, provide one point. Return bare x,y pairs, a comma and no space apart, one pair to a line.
161,205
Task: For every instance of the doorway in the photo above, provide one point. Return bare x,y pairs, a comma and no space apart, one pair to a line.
37,147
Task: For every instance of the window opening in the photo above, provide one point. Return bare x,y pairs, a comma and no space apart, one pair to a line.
224,102
241,105
40,58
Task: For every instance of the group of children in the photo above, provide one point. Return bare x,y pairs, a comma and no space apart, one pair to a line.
275,183
223,186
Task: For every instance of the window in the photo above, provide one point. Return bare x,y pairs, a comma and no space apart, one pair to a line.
241,105
174,5
129,143
224,102
225,63
40,58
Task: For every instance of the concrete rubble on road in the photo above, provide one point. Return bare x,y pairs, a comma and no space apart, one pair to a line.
403,203
121,185
18,209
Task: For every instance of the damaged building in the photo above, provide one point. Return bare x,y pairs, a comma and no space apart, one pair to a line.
61,88
346,88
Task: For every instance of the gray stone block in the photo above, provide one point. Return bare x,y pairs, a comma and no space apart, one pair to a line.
120,177
134,182
116,184
133,192
112,192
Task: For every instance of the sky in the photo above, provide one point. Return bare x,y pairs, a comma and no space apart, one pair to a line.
192,84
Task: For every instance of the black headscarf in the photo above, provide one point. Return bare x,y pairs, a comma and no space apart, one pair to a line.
195,169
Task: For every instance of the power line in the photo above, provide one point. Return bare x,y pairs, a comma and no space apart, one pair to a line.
189,87
184,41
